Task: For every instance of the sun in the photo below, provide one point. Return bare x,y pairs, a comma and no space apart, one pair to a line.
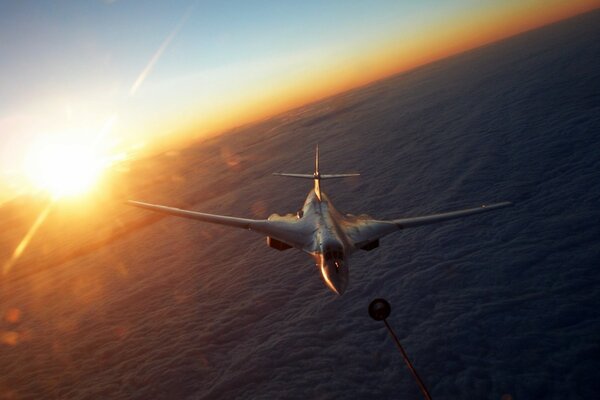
63,169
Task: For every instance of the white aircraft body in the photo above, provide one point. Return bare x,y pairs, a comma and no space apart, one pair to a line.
320,230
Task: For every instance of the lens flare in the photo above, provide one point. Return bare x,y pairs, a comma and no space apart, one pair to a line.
26,239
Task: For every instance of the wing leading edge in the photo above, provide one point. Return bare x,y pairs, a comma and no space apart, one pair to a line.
430,219
244,223
281,228
364,231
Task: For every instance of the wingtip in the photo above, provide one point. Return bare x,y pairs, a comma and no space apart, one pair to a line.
498,205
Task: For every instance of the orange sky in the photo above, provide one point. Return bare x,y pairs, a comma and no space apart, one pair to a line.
125,92
391,57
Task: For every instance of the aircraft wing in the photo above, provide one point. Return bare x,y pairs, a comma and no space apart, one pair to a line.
285,229
363,231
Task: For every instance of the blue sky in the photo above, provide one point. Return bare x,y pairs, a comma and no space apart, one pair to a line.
71,69
66,47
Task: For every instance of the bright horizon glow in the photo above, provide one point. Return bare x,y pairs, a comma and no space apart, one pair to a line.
322,75
184,70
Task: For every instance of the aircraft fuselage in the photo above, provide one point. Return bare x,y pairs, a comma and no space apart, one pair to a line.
330,247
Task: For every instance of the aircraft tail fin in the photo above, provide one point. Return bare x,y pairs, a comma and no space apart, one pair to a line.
316,175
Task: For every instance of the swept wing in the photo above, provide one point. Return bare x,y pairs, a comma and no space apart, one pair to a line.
363,231
283,228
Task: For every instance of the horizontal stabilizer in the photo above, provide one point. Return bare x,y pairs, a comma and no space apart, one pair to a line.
305,176
334,176
315,176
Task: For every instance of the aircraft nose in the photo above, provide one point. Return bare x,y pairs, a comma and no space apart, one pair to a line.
335,274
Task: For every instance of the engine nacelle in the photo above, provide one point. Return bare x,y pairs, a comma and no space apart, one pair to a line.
371,245
276,244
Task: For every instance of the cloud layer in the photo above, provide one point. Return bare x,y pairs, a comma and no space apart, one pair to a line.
502,304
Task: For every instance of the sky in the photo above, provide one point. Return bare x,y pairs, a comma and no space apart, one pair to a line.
121,76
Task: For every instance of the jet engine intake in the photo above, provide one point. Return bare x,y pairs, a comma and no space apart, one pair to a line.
276,244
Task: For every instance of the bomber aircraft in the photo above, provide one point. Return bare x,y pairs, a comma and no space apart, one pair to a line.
320,230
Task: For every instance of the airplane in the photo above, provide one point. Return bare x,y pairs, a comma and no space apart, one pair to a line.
320,230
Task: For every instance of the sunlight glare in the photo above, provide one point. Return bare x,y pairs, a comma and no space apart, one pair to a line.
63,169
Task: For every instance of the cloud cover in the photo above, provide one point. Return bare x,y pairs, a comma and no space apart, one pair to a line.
499,304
